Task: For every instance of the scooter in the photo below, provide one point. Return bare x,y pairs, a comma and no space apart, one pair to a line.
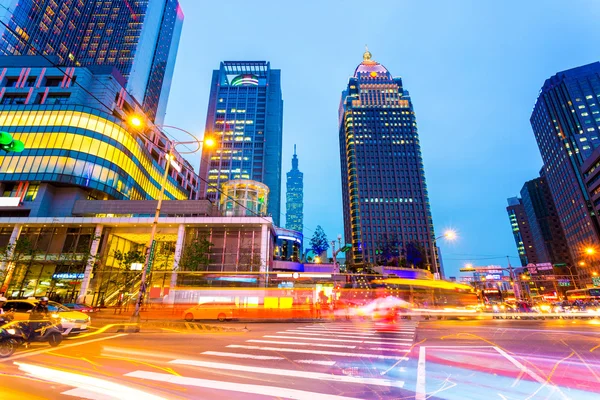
19,333
8,343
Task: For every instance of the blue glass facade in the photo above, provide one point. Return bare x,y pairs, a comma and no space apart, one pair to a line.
387,216
245,117
566,124
294,216
139,38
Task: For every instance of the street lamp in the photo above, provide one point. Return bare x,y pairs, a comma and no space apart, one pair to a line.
150,246
450,235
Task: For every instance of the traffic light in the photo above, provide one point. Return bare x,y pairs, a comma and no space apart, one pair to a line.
10,145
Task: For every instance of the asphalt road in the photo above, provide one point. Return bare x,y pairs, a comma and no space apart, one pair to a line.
493,359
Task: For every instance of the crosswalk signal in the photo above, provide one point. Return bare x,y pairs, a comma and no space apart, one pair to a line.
10,145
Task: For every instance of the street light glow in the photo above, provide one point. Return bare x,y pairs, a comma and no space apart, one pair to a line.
135,121
590,250
210,142
450,234
581,263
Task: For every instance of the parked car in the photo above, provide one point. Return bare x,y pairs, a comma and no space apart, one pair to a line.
81,307
73,322
216,310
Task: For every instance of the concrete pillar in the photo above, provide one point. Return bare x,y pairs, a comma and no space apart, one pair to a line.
176,259
264,248
7,264
89,266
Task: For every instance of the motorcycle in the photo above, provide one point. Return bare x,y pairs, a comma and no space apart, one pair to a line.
8,343
17,334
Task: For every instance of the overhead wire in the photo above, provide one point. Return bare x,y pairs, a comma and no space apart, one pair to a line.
109,109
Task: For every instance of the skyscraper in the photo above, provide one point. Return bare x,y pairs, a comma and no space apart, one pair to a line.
245,117
546,232
566,124
139,38
521,231
385,201
294,216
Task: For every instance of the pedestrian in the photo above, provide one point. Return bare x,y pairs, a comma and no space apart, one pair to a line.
318,308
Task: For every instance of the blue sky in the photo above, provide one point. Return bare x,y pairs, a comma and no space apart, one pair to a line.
473,70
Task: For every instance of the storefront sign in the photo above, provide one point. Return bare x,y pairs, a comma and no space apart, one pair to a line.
67,275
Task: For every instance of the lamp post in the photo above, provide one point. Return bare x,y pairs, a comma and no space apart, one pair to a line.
335,253
449,235
137,122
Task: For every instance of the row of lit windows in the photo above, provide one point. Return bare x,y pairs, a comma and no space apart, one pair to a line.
80,142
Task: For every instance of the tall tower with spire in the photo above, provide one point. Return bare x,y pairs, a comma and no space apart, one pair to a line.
387,218
294,217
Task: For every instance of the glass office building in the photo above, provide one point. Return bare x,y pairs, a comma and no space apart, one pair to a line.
294,215
245,117
77,143
566,124
139,38
387,217
521,231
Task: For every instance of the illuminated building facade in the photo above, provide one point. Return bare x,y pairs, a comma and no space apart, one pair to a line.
244,197
566,124
386,207
138,38
294,215
245,117
519,224
77,144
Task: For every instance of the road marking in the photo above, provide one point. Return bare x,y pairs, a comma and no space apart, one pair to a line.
310,351
338,340
357,330
82,393
294,373
238,355
98,386
372,332
35,352
523,368
346,336
317,362
277,392
420,392
341,346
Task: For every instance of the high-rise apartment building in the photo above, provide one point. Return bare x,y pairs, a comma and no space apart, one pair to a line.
566,124
139,38
385,200
546,232
294,201
521,231
245,117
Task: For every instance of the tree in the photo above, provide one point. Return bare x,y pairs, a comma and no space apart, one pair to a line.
416,255
196,254
13,255
387,250
319,243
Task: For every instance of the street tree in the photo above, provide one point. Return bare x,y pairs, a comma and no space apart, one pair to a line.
319,243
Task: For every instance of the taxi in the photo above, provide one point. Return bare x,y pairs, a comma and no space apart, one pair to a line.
73,322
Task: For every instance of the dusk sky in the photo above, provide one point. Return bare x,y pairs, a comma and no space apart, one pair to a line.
473,69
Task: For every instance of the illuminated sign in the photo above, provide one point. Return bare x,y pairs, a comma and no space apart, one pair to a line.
10,201
493,277
67,275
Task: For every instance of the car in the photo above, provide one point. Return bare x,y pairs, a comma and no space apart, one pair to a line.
215,310
73,322
84,308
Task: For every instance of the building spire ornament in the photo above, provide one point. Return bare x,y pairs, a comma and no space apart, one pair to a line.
367,54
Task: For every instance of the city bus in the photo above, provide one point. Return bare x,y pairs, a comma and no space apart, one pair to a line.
584,294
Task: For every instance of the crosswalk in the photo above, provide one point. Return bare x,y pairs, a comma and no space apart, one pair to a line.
336,360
